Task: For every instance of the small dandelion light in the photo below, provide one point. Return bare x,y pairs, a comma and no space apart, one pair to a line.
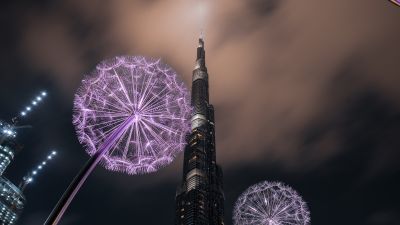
270,203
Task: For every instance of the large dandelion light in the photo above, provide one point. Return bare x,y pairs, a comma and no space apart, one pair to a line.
132,115
146,100
270,203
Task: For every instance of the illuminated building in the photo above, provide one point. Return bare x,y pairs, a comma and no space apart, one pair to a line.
200,198
12,202
12,199
7,146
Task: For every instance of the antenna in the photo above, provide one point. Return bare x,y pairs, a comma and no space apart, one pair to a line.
34,103
29,177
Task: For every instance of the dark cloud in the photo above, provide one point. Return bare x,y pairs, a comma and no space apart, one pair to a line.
305,92
384,217
263,7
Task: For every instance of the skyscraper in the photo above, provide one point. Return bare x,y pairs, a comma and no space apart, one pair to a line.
12,199
200,198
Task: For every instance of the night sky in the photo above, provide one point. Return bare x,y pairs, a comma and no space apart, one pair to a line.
305,92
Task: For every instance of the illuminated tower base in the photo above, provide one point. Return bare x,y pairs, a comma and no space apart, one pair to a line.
12,202
12,199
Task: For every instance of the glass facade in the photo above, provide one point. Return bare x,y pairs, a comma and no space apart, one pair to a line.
200,199
6,155
12,199
12,202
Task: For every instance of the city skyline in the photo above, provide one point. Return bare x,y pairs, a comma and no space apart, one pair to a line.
304,92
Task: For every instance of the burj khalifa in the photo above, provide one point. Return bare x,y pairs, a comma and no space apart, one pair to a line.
200,198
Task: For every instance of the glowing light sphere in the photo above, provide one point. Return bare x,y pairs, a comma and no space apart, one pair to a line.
144,98
270,203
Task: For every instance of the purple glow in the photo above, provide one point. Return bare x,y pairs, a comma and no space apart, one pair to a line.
144,92
105,146
396,2
270,203
132,114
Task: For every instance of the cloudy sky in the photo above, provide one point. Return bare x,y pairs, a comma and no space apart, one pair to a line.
305,92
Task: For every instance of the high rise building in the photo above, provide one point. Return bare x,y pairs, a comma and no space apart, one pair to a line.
12,199
7,145
200,198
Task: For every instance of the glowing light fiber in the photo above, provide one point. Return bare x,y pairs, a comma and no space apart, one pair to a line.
144,92
270,203
132,115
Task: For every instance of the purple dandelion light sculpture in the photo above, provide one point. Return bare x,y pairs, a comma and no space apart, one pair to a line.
270,203
139,101
132,115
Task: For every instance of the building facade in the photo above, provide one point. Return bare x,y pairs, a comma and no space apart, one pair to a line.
200,198
12,199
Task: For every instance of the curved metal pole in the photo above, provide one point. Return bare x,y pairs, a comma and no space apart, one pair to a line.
62,205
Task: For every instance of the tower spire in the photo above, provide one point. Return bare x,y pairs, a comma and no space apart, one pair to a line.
201,56
202,34
201,39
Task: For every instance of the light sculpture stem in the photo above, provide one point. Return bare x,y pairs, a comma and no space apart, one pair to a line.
69,194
